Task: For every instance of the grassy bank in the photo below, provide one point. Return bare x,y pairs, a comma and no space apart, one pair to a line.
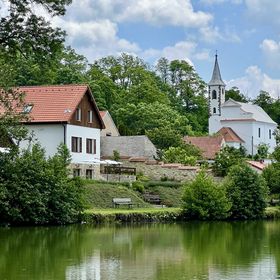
148,215
137,215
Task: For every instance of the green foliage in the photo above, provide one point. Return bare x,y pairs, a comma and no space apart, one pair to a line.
276,153
116,155
205,200
178,155
138,186
271,175
227,157
235,94
262,150
163,183
247,191
36,190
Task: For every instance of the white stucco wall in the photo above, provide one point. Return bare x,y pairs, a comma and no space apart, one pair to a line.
84,132
50,136
214,124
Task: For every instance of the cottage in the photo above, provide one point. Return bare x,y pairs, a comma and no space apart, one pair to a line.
65,114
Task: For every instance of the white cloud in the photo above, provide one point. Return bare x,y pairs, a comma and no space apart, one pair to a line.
95,39
254,81
157,12
271,51
214,2
264,10
183,50
212,34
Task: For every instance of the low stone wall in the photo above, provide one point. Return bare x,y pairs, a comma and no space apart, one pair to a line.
117,178
83,170
157,171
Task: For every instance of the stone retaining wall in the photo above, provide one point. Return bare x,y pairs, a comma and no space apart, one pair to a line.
156,171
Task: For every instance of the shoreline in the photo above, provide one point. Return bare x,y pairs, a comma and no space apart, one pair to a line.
149,215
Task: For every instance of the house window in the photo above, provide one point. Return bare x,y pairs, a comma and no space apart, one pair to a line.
269,133
90,116
259,132
214,94
78,114
27,108
89,173
214,110
91,146
76,145
76,172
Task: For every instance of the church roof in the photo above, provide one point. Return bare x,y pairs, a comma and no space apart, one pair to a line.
252,111
230,135
216,76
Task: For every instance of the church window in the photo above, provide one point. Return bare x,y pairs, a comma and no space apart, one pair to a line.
269,133
214,94
214,110
259,132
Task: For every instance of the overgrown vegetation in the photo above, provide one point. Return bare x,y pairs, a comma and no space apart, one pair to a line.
247,191
37,190
225,159
204,199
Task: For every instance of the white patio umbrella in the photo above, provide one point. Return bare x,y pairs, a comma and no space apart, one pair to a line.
4,150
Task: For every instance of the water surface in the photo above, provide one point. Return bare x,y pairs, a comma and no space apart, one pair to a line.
195,250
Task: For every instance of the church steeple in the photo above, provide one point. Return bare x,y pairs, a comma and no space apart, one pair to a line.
216,76
216,88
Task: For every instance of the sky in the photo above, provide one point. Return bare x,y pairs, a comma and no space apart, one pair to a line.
245,33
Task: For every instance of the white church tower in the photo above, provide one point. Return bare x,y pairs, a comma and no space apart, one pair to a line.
216,90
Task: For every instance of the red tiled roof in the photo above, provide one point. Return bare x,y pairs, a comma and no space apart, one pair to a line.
230,135
54,103
209,145
257,164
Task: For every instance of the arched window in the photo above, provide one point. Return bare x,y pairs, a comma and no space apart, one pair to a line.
214,94
214,110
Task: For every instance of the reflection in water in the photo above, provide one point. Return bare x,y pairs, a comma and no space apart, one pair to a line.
194,250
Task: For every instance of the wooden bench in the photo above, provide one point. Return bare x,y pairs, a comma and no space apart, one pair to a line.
152,198
122,201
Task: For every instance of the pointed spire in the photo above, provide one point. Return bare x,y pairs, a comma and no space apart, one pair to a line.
216,76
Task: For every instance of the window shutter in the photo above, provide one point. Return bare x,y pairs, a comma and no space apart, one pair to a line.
81,145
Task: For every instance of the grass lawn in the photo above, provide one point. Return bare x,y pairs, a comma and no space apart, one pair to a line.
129,211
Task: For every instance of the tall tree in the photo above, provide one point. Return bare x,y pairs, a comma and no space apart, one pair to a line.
235,94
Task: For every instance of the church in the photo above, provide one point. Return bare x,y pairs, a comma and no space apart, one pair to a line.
234,123
250,122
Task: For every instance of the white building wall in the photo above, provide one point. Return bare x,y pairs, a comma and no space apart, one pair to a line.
84,133
50,136
214,124
264,136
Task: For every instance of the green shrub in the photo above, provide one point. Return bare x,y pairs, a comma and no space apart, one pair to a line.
116,155
37,190
205,200
262,150
167,184
138,186
247,191
178,155
271,175
227,157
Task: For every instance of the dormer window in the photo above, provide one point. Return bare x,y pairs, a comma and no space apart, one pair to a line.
27,108
78,114
214,94
90,116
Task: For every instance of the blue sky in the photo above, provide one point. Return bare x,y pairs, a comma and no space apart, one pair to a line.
246,34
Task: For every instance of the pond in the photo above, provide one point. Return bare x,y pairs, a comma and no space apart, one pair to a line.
194,250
